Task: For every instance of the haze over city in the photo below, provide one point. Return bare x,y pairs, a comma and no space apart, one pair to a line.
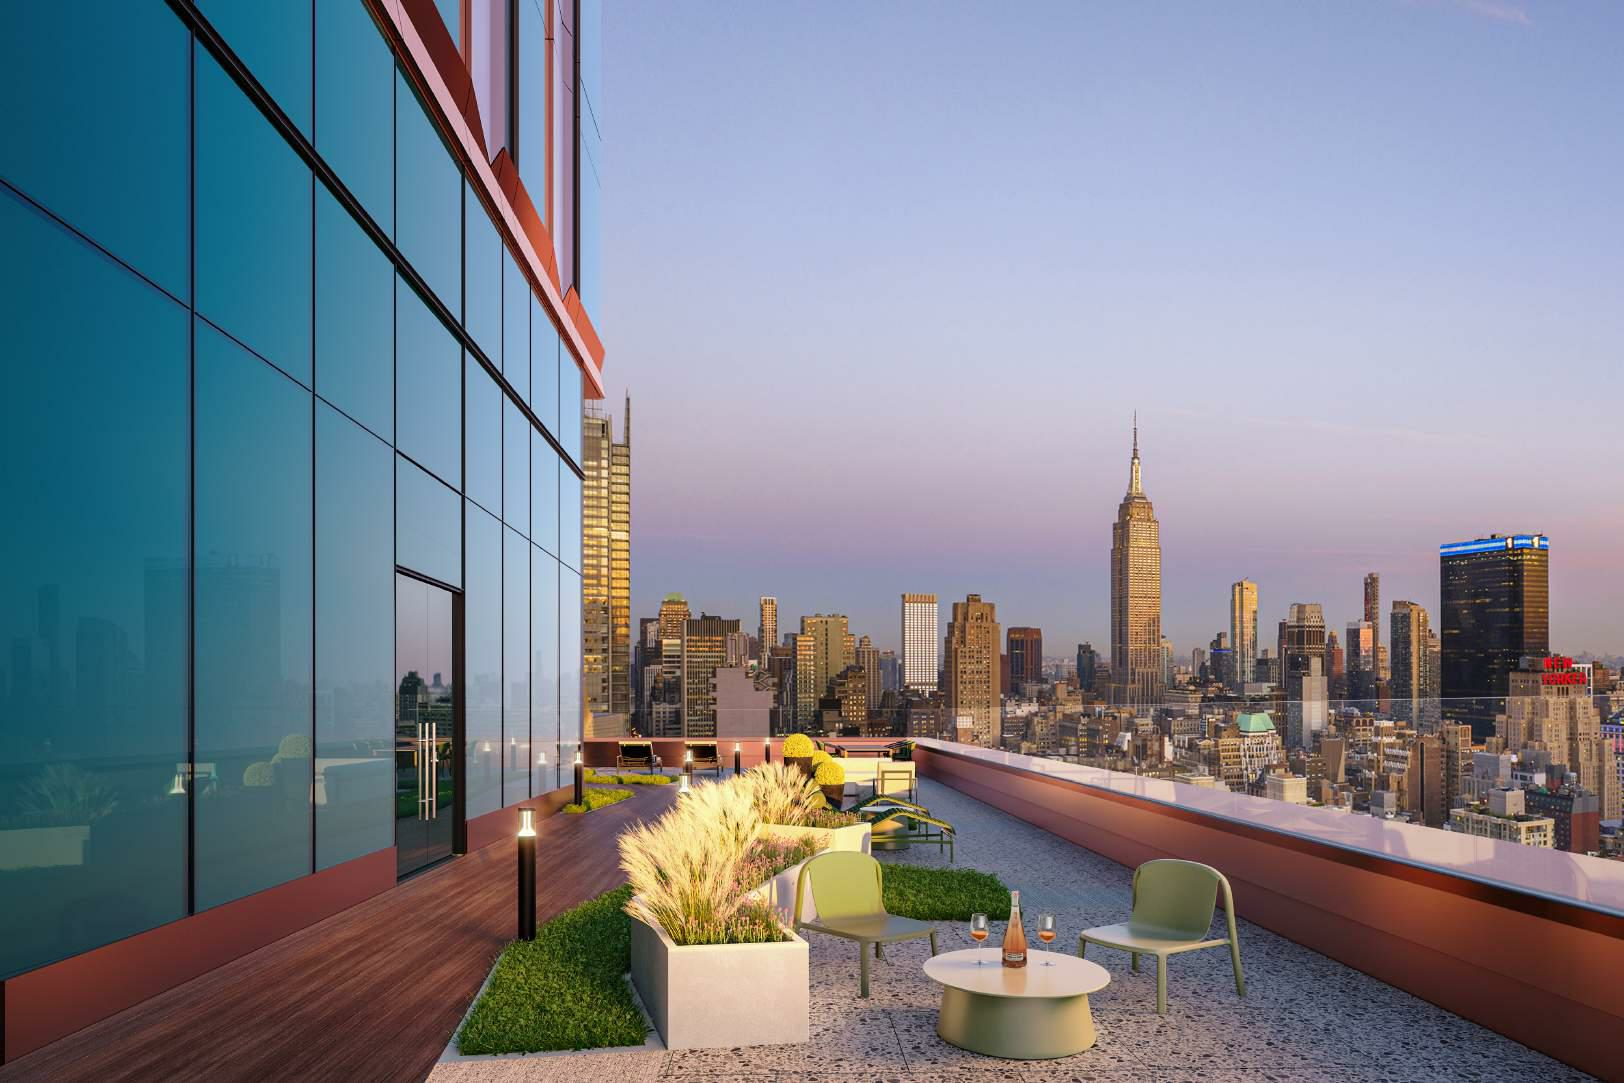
1369,253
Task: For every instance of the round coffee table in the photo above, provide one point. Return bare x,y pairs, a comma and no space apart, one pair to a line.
1035,1012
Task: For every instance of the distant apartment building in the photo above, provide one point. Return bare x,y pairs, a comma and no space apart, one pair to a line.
743,703
1302,663
1373,617
1424,790
1505,817
1289,788
673,616
1243,630
1494,609
1549,710
767,627
971,668
868,657
1359,652
921,643
1576,815
1025,650
606,570
1087,667
704,651
1413,682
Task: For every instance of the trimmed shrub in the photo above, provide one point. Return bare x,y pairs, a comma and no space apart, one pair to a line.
596,799
798,745
829,773
259,774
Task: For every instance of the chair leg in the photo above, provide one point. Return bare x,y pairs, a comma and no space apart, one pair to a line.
862,967
1082,948
933,942
1235,957
1136,962
879,950
1161,985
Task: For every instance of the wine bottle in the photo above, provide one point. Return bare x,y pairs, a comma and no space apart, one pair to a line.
1015,934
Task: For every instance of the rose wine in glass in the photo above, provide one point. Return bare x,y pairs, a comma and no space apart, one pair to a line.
978,931
1046,932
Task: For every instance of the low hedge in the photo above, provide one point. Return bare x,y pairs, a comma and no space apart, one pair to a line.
596,799
563,990
938,894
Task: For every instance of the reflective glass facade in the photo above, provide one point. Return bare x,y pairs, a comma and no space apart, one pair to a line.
268,352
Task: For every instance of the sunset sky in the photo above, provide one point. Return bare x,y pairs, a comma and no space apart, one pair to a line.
886,282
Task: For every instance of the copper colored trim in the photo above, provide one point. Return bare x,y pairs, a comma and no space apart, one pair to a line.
53,1001
577,311
435,67
1539,906
508,179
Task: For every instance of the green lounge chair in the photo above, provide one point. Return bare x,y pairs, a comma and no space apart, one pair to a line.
916,824
1172,913
850,897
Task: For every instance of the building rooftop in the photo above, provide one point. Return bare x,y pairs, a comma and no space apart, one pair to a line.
1255,722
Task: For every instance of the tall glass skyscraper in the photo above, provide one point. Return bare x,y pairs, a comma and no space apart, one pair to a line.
1136,596
1494,609
297,298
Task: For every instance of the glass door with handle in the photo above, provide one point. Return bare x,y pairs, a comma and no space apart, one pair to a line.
425,723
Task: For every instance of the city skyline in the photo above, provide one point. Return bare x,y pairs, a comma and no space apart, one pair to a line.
1315,301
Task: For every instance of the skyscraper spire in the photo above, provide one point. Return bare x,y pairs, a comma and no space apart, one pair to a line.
1134,488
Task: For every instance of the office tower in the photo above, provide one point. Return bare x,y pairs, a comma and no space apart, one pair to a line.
1494,609
1373,616
233,541
823,648
767,628
738,649
743,703
1087,667
1136,596
1335,674
971,669
1456,738
868,657
1431,697
1302,663
1410,634
1360,651
606,579
890,672
1222,658
921,642
1243,631
704,651
1548,707
1424,794
806,689
673,616
1025,656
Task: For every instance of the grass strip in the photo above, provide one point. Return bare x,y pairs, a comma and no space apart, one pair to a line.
596,799
944,894
563,990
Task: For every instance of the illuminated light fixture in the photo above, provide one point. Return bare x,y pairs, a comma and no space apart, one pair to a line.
527,873
527,823
737,753
682,785
766,750
178,788
580,778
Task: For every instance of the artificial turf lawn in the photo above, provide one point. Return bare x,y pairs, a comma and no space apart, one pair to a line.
563,990
630,780
943,894
596,799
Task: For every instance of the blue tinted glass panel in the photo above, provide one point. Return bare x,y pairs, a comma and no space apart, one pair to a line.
569,405
253,226
252,647
532,95
273,40
544,354
569,517
544,469
97,126
544,669
482,640
93,600
515,328
427,519
482,285
484,450
569,657
428,196
516,666
355,106
355,313
428,388
355,642
516,430
451,15
589,50
588,252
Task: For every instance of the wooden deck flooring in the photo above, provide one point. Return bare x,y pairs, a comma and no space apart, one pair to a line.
373,993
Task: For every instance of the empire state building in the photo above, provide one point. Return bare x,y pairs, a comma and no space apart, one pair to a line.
1136,596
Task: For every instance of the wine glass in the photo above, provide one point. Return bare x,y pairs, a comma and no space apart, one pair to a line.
978,931
1046,932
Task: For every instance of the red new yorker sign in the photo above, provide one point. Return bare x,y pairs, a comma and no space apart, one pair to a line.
1559,670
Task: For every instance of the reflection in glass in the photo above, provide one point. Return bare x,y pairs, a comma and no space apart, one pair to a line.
569,659
516,430
428,199
515,327
569,404
252,643
426,518
273,40
482,457
569,517
425,724
93,602
355,581
544,667
544,470
544,352
482,646
482,278
516,756
253,225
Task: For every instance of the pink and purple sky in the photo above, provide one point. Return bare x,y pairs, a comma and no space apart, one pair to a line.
886,282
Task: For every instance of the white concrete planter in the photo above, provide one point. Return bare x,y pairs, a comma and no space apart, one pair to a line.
720,996
855,837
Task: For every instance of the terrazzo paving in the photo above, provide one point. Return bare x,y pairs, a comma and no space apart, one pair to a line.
1305,1017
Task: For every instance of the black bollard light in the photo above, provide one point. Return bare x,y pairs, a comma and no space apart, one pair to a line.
580,779
688,764
527,874
766,750
736,754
